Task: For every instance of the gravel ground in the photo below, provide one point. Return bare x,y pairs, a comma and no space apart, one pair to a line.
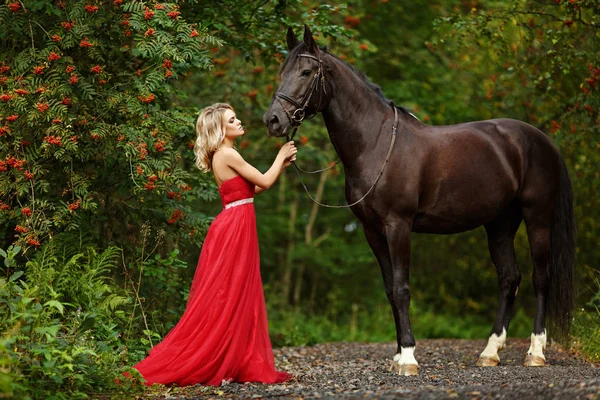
447,371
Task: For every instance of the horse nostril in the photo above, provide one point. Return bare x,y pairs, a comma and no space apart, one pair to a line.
273,120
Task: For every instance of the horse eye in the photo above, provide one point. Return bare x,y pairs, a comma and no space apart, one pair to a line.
306,72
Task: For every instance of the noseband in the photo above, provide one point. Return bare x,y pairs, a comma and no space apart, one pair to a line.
299,115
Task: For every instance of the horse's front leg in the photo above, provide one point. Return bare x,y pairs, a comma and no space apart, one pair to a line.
404,362
378,243
398,239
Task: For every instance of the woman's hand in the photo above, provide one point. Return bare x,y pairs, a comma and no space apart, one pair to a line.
288,153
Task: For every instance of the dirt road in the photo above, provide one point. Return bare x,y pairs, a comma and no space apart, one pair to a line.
447,371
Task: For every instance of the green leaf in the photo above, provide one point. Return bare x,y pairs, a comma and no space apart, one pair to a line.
15,276
56,304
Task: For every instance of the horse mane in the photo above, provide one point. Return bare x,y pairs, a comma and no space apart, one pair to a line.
301,48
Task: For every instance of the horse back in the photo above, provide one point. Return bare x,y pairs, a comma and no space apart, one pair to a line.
458,177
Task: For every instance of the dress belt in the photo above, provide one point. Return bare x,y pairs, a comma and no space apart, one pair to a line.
239,202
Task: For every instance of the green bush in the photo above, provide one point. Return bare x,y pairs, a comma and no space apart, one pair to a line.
89,138
586,324
62,324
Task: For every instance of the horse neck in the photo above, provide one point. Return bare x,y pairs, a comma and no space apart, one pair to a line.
354,114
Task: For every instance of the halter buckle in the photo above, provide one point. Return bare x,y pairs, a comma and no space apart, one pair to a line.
298,115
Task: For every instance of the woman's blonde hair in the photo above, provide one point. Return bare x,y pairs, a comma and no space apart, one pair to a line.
210,128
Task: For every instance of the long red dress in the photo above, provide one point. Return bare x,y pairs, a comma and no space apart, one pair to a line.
223,333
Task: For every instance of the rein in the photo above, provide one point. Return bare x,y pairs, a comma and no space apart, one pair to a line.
299,115
387,158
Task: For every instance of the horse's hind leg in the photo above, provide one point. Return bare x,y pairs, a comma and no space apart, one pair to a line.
501,233
538,232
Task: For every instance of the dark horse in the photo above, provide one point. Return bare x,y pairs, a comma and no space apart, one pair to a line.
439,179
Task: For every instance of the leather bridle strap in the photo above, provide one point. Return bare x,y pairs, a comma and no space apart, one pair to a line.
299,115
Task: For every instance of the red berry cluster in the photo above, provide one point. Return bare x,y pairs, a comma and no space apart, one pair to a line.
74,206
160,146
33,242
12,163
86,43
14,7
68,25
53,56
176,216
148,99
91,9
56,140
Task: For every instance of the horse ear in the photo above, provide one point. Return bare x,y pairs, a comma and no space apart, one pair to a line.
309,40
292,40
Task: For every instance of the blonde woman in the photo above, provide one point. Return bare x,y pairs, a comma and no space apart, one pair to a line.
223,333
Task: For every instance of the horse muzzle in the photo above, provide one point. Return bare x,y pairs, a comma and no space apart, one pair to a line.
277,123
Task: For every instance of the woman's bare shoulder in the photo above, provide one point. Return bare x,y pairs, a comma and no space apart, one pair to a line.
227,155
226,152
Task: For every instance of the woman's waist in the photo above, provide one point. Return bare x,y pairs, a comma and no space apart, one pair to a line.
239,202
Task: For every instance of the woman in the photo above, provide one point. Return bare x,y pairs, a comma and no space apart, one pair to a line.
223,333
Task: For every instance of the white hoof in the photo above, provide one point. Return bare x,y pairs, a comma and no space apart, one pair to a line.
488,361
535,355
405,363
404,369
489,356
534,361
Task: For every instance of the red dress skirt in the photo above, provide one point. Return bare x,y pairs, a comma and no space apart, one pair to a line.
223,333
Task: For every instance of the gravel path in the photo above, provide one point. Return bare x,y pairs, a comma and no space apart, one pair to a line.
447,371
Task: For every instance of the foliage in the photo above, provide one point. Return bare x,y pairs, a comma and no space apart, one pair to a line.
103,152
538,63
376,324
85,125
62,322
488,59
586,330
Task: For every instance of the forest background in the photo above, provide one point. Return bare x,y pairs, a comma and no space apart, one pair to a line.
102,212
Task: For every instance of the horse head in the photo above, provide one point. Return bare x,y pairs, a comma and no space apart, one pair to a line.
301,93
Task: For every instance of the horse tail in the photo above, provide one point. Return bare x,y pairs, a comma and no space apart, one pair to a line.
560,302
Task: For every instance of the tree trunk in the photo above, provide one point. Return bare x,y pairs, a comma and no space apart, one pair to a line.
308,237
287,272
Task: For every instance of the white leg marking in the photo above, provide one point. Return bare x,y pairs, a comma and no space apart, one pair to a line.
495,343
538,344
406,357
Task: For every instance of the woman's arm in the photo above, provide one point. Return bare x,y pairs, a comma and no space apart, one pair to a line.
258,189
235,161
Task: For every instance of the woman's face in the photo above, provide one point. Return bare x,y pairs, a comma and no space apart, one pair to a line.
233,126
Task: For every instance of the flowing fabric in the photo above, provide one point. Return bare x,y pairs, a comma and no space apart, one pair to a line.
223,333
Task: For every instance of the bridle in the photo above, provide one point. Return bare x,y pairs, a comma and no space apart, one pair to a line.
299,115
